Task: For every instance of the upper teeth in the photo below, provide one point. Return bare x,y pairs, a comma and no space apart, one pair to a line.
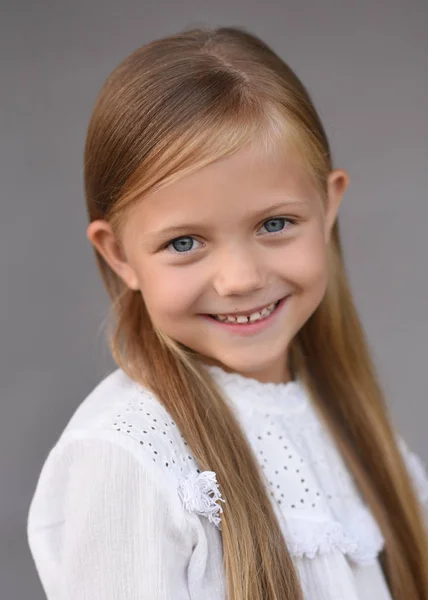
265,312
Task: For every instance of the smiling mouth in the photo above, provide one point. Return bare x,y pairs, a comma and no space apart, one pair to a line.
249,318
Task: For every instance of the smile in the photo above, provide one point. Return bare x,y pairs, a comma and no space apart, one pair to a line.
252,323
249,318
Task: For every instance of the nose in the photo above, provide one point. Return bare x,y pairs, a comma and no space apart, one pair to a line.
238,273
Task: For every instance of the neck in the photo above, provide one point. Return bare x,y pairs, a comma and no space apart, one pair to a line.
275,373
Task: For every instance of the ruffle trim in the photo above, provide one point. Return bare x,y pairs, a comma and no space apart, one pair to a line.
359,536
200,493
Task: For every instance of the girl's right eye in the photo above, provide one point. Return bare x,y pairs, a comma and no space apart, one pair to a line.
181,245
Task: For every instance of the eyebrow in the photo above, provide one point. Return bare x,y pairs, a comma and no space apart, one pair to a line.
192,226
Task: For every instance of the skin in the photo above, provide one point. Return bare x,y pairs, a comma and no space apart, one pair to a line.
239,254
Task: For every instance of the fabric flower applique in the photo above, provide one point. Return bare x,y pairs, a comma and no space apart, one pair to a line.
200,493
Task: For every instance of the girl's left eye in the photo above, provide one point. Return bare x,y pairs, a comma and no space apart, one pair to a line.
277,224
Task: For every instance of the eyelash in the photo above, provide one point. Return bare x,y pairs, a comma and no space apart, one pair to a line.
186,252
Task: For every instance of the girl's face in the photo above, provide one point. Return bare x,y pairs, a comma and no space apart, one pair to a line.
233,237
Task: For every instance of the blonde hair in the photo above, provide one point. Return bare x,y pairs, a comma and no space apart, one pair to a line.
171,107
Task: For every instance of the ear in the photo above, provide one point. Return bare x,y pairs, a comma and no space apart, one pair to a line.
337,183
102,237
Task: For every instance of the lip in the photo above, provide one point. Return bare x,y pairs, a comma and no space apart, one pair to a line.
245,329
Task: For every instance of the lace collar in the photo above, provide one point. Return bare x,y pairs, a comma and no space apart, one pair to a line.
253,395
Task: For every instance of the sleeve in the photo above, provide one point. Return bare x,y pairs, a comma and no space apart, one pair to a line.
116,530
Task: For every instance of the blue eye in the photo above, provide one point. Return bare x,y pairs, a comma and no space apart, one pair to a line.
275,225
182,244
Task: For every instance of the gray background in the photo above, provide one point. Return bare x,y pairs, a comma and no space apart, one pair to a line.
366,66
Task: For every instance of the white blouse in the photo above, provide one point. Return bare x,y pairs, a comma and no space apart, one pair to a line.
121,510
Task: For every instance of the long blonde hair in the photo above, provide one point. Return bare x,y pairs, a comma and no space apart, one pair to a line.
173,106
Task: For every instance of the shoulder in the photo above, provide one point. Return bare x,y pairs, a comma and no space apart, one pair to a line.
121,431
417,471
121,412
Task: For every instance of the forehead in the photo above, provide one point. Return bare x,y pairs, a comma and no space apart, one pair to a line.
249,180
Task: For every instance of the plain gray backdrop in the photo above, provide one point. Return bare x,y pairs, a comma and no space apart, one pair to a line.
365,64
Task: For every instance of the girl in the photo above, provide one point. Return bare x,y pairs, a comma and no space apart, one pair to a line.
242,448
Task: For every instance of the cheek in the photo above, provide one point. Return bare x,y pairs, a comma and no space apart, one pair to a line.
168,291
307,263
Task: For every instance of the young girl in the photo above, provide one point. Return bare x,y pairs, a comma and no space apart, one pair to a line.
242,449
